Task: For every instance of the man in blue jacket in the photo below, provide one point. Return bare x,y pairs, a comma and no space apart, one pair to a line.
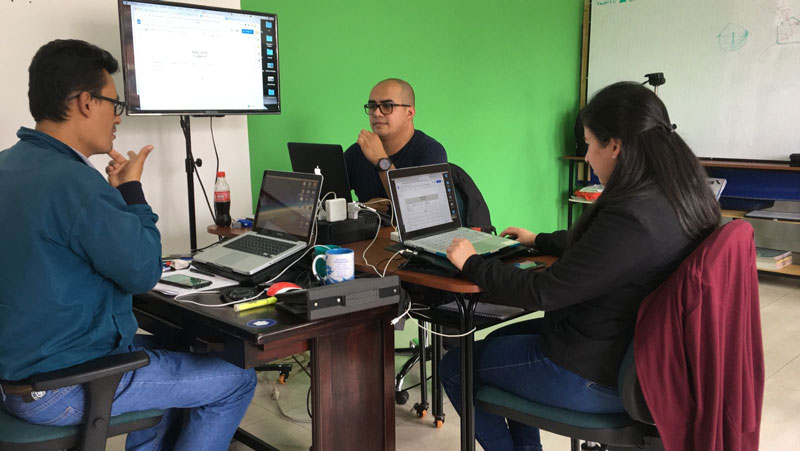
74,249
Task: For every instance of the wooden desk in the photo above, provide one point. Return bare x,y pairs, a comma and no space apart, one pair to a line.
352,360
226,232
466,295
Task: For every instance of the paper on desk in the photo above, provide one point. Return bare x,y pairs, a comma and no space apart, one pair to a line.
216,282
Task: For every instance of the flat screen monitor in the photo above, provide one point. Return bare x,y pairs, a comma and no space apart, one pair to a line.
184,59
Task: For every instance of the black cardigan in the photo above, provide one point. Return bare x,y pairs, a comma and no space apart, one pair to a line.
592,293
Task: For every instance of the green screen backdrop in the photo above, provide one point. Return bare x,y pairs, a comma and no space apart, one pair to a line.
496,83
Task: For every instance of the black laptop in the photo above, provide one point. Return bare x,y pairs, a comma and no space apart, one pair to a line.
328,159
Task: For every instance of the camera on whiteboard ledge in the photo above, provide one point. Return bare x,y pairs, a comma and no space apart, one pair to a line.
655,79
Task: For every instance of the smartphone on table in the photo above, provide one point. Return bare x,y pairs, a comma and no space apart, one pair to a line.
184,281
530,264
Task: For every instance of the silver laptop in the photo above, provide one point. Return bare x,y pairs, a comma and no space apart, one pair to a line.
424,201
284,218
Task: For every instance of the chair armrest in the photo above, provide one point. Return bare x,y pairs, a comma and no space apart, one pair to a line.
91,370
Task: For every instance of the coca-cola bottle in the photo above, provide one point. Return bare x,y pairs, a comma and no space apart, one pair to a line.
222,201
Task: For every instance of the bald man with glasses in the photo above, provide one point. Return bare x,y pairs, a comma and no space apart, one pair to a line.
392,143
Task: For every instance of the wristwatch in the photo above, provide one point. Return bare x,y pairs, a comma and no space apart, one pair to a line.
384,164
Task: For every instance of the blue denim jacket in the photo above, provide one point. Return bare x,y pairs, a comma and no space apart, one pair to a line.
71,254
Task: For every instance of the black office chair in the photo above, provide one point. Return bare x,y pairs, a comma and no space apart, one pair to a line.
100,378
634,429
474,212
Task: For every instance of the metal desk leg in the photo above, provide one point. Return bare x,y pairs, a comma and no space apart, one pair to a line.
421,408
437,393
569,192
467,308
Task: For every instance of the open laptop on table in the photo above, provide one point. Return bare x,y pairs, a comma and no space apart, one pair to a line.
424,202
329,158
284,218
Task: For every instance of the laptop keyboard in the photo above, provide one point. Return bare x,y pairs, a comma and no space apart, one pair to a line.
443,240
258,245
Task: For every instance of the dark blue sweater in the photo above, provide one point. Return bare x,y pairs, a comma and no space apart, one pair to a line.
420,150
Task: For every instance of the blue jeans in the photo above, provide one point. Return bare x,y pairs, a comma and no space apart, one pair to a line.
204,399
510,359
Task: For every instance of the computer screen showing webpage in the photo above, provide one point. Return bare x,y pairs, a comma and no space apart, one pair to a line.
286,204
195,59
425,200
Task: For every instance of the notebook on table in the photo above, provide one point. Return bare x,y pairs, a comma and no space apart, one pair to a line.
328,159
424,202
284,219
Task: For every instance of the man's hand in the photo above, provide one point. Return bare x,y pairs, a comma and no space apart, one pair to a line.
518,233
459,251
371,146
121,170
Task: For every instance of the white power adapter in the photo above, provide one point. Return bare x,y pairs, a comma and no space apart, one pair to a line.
394,236
336,209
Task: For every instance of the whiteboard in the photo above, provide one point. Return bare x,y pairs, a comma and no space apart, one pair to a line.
732,68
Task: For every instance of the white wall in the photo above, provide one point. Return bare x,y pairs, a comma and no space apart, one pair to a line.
28,24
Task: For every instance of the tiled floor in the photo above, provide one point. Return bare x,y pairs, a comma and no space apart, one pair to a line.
780,424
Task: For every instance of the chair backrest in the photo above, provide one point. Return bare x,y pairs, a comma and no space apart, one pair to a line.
473,208
630,391
698,344
629,387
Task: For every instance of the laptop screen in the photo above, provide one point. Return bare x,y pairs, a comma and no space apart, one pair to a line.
424,199
286,204
329,159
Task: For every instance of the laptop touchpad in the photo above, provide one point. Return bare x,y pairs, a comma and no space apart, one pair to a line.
484,248
236,259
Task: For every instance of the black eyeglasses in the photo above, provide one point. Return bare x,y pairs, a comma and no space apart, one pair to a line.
385,107
119,106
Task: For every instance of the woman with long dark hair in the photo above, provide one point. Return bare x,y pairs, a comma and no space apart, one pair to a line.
656,207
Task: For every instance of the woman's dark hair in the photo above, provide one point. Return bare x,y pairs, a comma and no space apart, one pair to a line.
653,156
61,69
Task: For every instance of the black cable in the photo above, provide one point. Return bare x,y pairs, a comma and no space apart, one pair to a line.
204,247
301,366
203,187
197,173
205,195
417,384
214,143
308,399
308,395
216,156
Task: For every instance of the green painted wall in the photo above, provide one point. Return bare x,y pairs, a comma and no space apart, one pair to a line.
496,83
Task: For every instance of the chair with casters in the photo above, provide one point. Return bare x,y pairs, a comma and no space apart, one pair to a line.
474,212
100,378
705,314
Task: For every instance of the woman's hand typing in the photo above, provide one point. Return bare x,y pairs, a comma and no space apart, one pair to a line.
524,236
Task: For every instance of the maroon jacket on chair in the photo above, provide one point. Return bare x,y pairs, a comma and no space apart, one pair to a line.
698,351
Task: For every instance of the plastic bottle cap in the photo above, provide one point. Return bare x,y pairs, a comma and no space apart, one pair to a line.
221,174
